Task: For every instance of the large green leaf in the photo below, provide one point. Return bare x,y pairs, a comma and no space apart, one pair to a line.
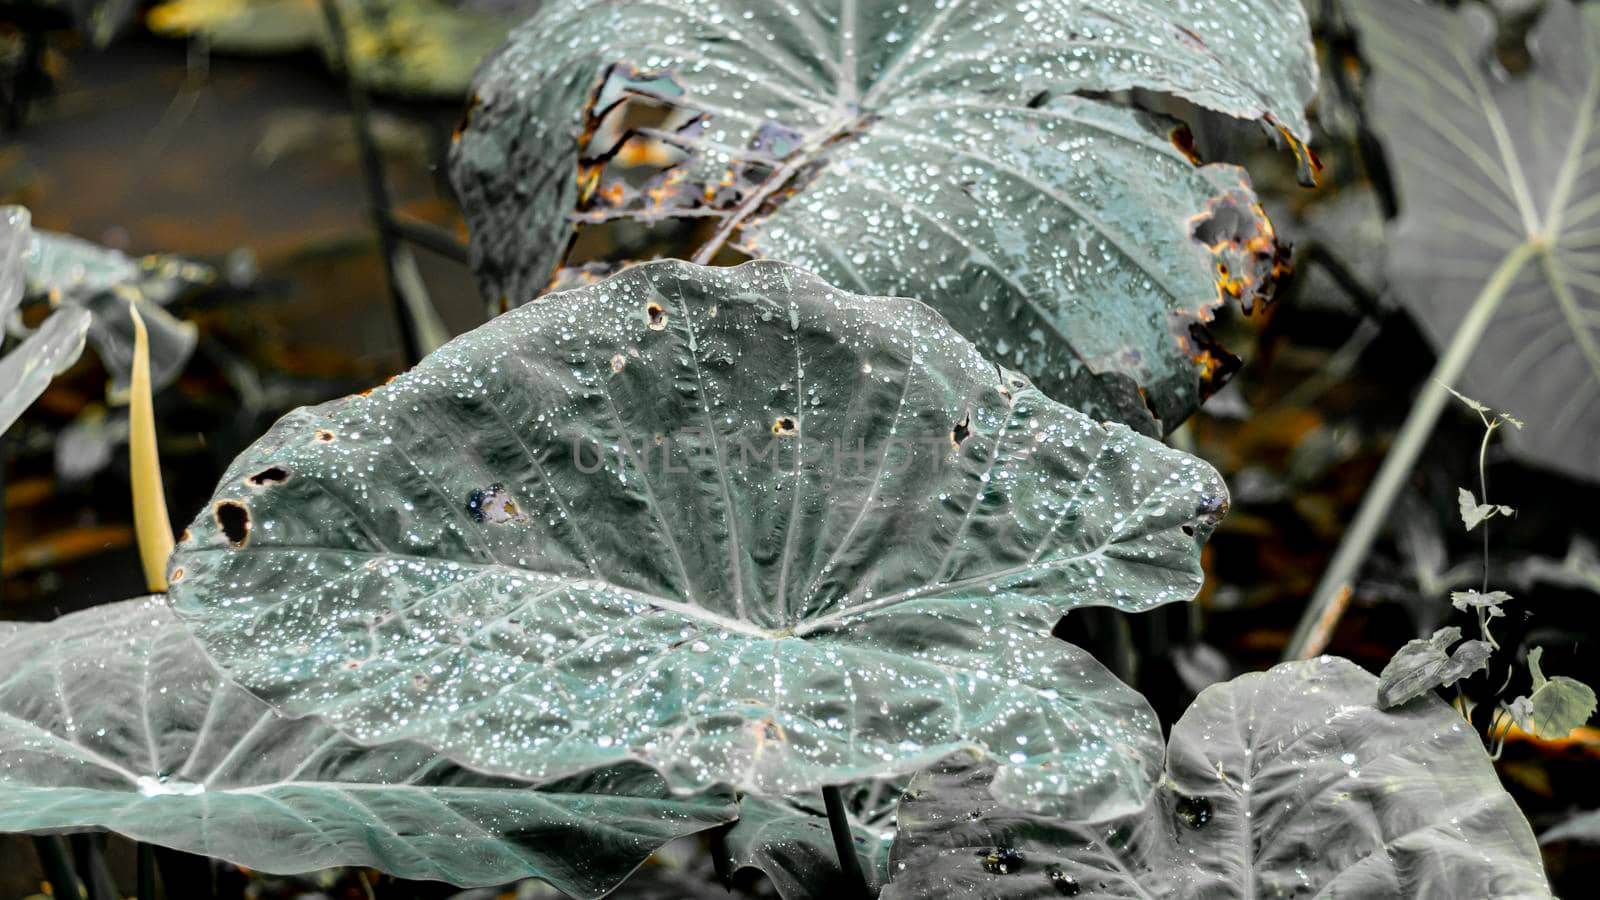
1492,166
947,151
1288,783
732,523
113,718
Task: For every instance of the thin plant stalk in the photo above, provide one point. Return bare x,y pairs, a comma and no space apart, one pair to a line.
844,842
378,202
1396,469
151,525
56,861
146,869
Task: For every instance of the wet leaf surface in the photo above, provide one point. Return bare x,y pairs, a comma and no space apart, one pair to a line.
1489,162
666,572
1278,784
125,725
955,152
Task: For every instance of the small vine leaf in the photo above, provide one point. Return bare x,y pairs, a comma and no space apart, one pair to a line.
1474,513
1470,403
1522,713
1426,663
960,153
1557,705
1278,784
1494,168
1472,599
113,718
714,520
792,845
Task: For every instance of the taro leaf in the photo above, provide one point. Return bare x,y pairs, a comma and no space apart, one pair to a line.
1584,827
113,718
70,271
733,523
948,151
1580,568
1557,705
1426,663
27,370
1494,168
417,47
1287,783
792,845
16,236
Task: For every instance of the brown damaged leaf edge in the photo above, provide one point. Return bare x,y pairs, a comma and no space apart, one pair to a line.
774,167
1251,265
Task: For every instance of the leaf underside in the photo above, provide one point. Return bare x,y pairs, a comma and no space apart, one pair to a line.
1286,783
956,152
1487,163
735,524
113,718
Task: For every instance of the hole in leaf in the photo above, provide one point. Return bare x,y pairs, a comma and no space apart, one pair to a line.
234,520
783,426
961,431
494,504
1189,530
1064,884
657,316
1194,811
273,475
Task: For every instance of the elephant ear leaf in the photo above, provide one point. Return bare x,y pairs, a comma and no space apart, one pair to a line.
1499,183
735,524
958,152
1283,783
113,718
51,348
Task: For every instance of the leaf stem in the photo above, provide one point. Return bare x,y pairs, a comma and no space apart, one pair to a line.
844,843
151,524
146,872
57,866
1408,444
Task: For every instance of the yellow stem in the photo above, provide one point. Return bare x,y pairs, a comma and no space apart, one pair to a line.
150,522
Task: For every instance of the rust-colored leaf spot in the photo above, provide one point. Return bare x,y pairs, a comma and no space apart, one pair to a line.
325,436
1183,139
272,475
618,363
233,518
784,426
1308,168
176,576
